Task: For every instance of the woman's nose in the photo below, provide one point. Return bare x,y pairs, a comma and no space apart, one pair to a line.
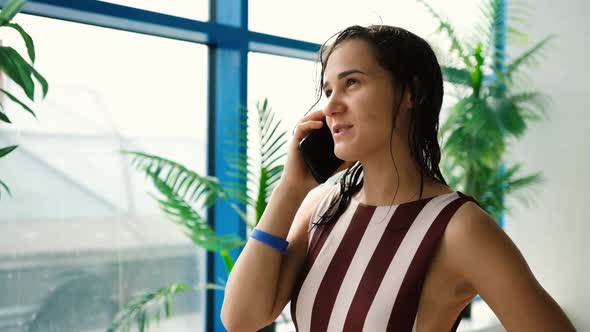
333,106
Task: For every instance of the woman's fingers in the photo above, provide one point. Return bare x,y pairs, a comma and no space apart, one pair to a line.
313,116
303,128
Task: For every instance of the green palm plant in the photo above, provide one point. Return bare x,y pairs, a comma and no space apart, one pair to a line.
19,70
492,109
253,185
183,192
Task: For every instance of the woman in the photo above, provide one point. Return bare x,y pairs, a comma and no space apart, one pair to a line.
390,247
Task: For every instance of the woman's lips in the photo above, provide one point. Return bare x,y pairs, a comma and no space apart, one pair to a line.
342,131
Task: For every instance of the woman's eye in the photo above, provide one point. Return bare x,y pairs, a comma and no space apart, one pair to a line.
351,81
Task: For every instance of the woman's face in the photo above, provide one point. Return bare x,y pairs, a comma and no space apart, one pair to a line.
360,95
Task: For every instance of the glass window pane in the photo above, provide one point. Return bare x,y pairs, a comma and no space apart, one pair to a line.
287,83
81,235
289,86
324,18
193,9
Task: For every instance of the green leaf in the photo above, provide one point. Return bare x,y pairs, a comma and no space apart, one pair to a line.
14,99
445,26
14,67
456,75
192,186
26,38
3,185
512,120
477,73
179,187
515,36
3,116
20,71
227,260
40,79
527,57
10,10
140,307
7,150
141,321
167,308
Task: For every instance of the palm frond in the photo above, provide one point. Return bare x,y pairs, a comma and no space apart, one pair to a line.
449,30
483,136
227,260
151,305
272,145
195,226
527,57
21,72
18,102
516,110
453,147
516,184
490,22
456,75
3,152
252,181
5,187
456,115
26,38
240,163
273,141
533,104
10,10
6,150
184,182
241,193
179,187
519,183
515,36
516,12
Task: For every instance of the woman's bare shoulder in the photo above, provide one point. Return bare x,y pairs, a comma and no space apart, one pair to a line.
485,259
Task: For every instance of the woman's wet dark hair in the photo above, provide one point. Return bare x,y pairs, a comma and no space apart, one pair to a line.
413,65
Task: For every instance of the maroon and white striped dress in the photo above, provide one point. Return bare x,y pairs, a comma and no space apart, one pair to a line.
365,271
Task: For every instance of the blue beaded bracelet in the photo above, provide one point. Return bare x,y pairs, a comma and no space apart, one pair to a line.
273,241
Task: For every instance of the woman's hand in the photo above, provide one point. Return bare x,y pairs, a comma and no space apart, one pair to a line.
296,174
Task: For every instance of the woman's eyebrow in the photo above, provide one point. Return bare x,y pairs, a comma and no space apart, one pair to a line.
344,74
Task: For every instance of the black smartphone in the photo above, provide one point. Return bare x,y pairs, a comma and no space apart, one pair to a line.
317,151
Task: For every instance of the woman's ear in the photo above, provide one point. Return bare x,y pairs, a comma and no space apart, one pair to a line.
408,101
414,94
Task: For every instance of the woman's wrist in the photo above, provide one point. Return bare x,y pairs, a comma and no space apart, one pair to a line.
271,240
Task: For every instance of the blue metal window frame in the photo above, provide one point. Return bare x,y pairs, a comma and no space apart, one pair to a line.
229,41
227,36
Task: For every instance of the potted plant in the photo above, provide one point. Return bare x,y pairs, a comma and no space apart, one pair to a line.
491,112
17,69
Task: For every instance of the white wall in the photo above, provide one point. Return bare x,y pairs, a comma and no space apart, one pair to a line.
553,233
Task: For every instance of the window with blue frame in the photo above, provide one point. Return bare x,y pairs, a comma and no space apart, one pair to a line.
81,234
164,77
